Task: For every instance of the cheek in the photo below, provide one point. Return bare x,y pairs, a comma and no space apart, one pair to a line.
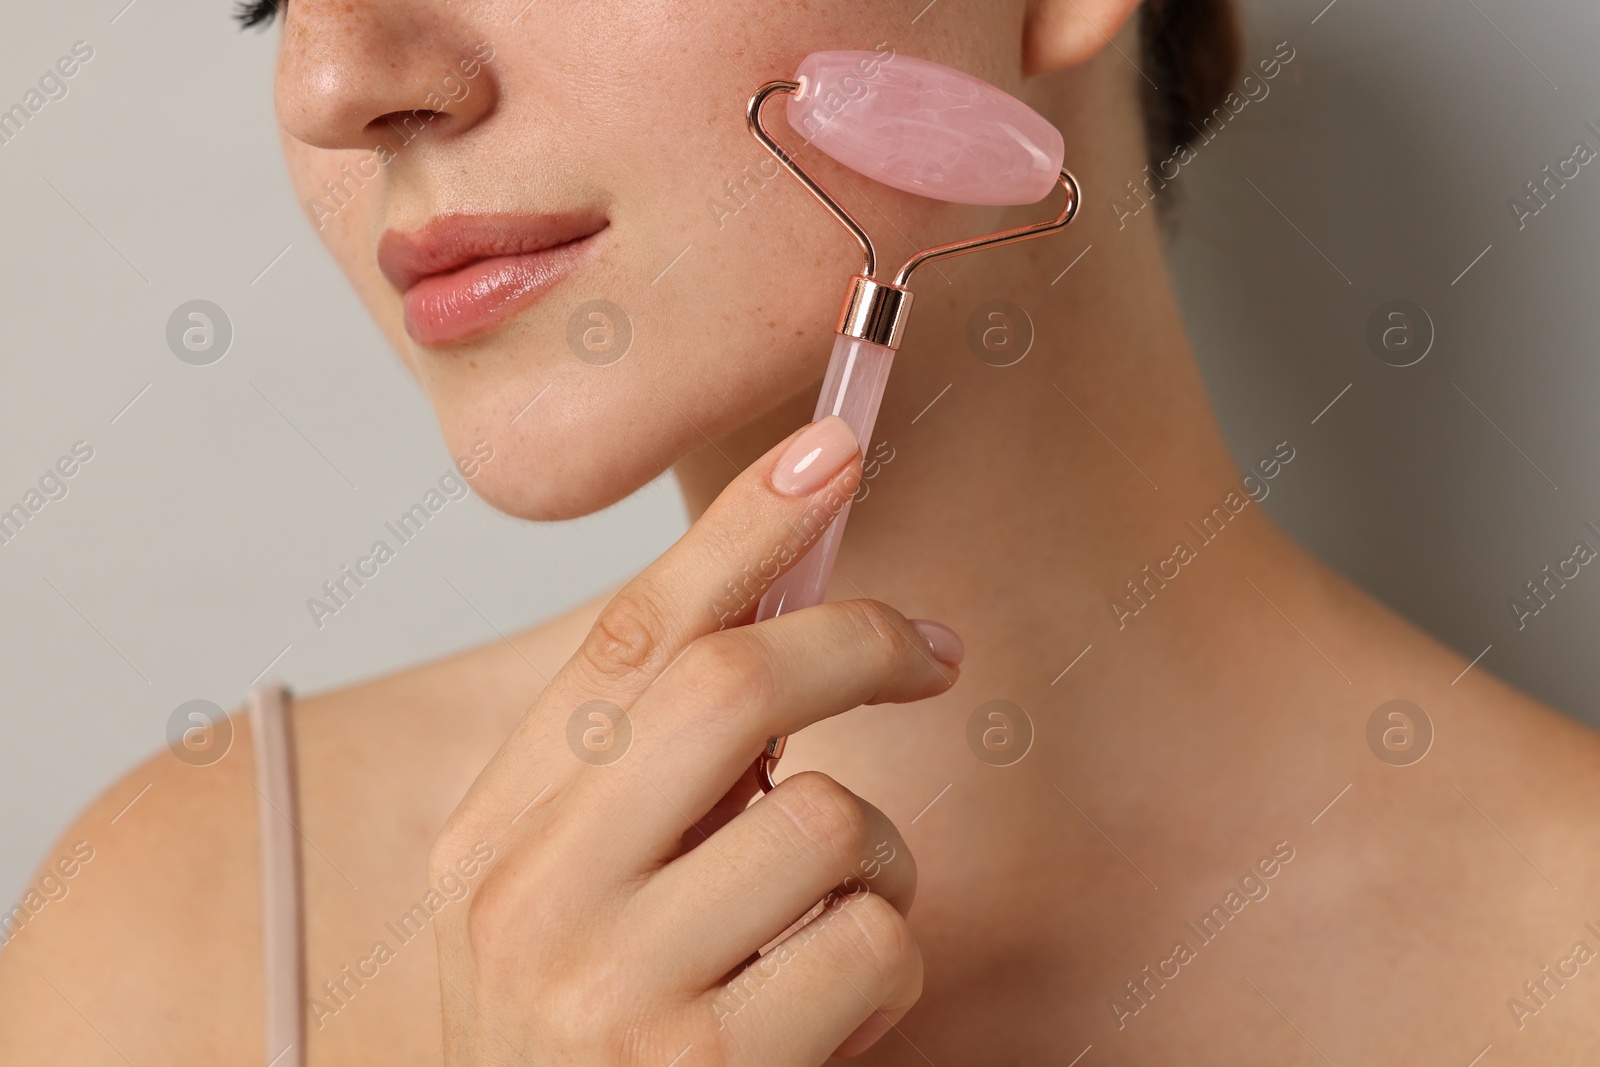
724,277
729,274
573,435
334,192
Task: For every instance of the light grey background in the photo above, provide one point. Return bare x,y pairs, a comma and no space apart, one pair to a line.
178,566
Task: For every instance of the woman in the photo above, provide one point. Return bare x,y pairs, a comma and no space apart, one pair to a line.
1193,827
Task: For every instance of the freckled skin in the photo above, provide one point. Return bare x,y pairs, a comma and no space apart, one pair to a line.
567,106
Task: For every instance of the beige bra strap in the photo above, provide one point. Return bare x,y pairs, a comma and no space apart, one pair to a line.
281,905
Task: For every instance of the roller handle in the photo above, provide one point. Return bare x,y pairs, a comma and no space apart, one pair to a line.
853,390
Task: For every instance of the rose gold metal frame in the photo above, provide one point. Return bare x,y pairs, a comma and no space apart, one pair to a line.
876,310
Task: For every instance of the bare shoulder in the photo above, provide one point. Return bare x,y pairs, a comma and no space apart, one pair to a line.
1545,768
117,954
1504,864
1469,832
140,936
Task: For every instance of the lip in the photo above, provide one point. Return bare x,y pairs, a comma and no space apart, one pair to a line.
461,276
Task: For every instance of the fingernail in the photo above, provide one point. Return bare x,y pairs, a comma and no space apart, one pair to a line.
813,458
942,641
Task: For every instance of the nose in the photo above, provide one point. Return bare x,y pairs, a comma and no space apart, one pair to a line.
368,73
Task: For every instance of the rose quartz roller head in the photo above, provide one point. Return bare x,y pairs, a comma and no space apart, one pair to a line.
925,128
922,128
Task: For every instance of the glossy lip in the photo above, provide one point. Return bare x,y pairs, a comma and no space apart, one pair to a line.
461,276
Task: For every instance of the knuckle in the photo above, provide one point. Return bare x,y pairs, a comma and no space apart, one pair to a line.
823,815
624,636
519,919
880,941
727,674
876,626
438,852
449,845
535,936
490,918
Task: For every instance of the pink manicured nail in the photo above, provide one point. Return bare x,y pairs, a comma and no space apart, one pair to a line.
813,458
942,641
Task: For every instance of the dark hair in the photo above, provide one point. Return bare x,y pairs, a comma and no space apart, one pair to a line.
1190,49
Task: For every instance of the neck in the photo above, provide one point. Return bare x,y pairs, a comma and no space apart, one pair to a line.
1134,622
1076,462
1017,504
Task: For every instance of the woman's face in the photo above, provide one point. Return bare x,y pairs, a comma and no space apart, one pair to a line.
433,142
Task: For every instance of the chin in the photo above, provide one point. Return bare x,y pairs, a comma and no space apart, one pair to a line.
562,462
593,438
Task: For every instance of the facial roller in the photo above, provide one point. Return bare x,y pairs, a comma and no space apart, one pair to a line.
922,128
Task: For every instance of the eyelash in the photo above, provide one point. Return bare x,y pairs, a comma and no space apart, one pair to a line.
256,12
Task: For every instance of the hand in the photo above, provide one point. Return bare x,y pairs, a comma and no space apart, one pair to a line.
620,916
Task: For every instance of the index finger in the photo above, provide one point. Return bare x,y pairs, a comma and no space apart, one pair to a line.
711,578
